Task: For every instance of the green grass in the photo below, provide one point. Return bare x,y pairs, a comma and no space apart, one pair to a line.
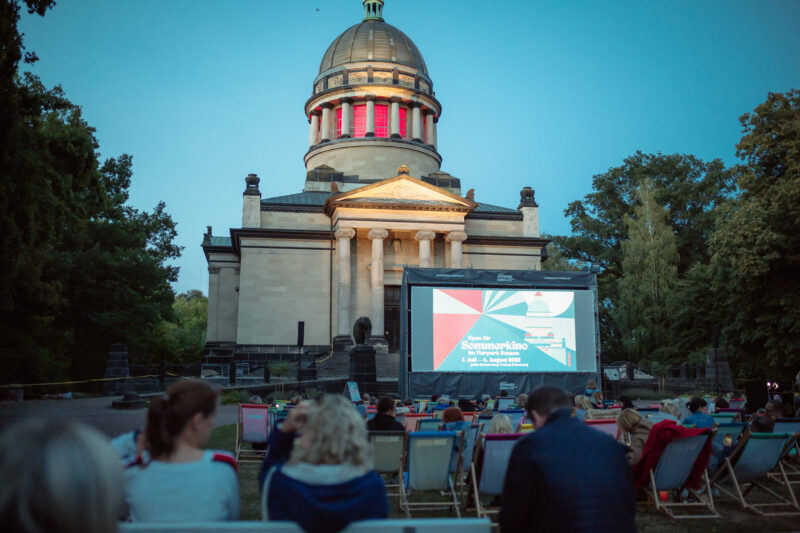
733,519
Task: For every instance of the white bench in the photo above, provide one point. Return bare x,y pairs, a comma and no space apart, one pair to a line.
417,525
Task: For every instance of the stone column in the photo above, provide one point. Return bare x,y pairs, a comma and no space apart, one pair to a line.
435,142
376,307
325,129
424,238
313,129
251,206
416,123
456,238
347,115
429,129
395,118
213,303
343,237
370,116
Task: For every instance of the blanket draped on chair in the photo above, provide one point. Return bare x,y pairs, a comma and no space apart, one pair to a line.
660,436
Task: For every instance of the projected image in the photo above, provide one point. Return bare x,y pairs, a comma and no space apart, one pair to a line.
516,330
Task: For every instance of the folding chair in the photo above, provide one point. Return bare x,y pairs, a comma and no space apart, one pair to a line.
736,403
389,448
659,416
472,433
724,418
496,454
649,409
410,420
738,413
525,428
671,472
753,459
470,417
606,425
429,457
428,424
252,427
437,413
789,425
504,404
732,429
516,416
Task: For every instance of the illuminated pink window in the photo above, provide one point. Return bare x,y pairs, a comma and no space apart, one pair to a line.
338,122
381,120
403,122
425,129
359,120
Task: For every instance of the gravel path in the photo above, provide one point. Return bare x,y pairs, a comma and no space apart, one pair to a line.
93,411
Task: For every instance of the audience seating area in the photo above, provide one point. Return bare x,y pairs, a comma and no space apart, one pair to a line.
418,525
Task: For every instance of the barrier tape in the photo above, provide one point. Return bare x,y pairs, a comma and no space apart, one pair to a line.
17,386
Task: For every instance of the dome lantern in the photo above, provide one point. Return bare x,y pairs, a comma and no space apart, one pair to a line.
373,9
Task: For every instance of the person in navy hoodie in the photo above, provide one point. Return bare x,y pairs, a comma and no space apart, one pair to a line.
325,479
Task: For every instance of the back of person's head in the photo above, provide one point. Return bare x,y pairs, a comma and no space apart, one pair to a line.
443,401
522,399
628,419
59,476
170,413
334,434
670,407
500,423
597,397
721,403
761,424
385,404
503,393
408,401
294,400
452,414
625,402
696,403
547,399
434,398
365,398
583,402
591,384
774,409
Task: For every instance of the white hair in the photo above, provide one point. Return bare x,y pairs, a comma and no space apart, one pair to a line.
66,478
501,423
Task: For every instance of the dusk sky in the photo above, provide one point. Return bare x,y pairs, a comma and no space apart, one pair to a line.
545,94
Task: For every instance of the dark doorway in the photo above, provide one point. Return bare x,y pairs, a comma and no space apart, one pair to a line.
391,316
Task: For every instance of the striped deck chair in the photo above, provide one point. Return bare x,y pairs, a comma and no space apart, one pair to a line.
252,427
606,425
671,473
495,454
751,462
429,456
428,424
389,448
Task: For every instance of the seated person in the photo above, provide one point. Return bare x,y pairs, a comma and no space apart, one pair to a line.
720,403
597,400
325,479
452,414
182,481
384,419
591,388
624,402
774,409
761,424
670,410
467,406
522,400
637,428
699,417
59,476
582,406
501,423
441,404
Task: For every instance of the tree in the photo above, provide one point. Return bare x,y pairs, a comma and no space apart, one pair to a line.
649,274
184,338
687,187
756,247
555,258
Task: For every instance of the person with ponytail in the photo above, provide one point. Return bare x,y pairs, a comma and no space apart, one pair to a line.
184,482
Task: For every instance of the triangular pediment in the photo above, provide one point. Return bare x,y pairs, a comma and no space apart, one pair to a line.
401,192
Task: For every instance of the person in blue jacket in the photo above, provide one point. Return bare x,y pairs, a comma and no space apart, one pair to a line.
699,417
325,479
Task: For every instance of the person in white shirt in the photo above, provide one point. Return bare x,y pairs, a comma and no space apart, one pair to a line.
183,482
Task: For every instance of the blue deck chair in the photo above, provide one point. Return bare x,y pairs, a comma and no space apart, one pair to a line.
371,415
505,403
734,429
754,458
724,418
429,424
496,454
389,450
647,410
789,425
429,456
485,419
460,463
659,416
516,416
671,472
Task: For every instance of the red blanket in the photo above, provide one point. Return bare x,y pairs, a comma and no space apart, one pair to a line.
660,436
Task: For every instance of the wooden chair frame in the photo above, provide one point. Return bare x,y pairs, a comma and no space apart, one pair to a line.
249,456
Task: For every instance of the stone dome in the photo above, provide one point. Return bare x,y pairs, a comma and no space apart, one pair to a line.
372,40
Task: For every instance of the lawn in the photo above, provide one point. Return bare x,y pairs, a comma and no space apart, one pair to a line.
733,519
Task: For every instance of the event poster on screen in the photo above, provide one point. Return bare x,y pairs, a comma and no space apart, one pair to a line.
515,330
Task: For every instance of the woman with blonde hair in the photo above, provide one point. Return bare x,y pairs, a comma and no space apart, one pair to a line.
582,406
501,423
325,479
670,408
638,429
59,476
183,481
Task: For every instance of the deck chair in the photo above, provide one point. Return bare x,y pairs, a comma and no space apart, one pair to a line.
659,416
736,403
389,448
252,427
789,425
739,413
429,456
756,455
496,454
461,462
734,429
470,417
724,418
410,420
505,403
671,472
428,424
516,416
649,409
525,428
606,425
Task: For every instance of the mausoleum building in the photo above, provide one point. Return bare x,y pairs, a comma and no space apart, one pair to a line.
374,200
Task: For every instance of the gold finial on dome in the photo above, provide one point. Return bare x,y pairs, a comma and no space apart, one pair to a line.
402,169
373,9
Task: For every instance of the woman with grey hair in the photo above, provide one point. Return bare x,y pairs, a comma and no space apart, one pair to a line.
59,477
325,479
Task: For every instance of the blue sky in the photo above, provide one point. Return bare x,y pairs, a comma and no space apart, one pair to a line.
545,94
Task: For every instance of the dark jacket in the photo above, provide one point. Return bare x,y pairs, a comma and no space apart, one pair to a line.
384,422
320,498
568,477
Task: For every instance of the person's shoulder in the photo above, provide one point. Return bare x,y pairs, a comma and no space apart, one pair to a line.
219,457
